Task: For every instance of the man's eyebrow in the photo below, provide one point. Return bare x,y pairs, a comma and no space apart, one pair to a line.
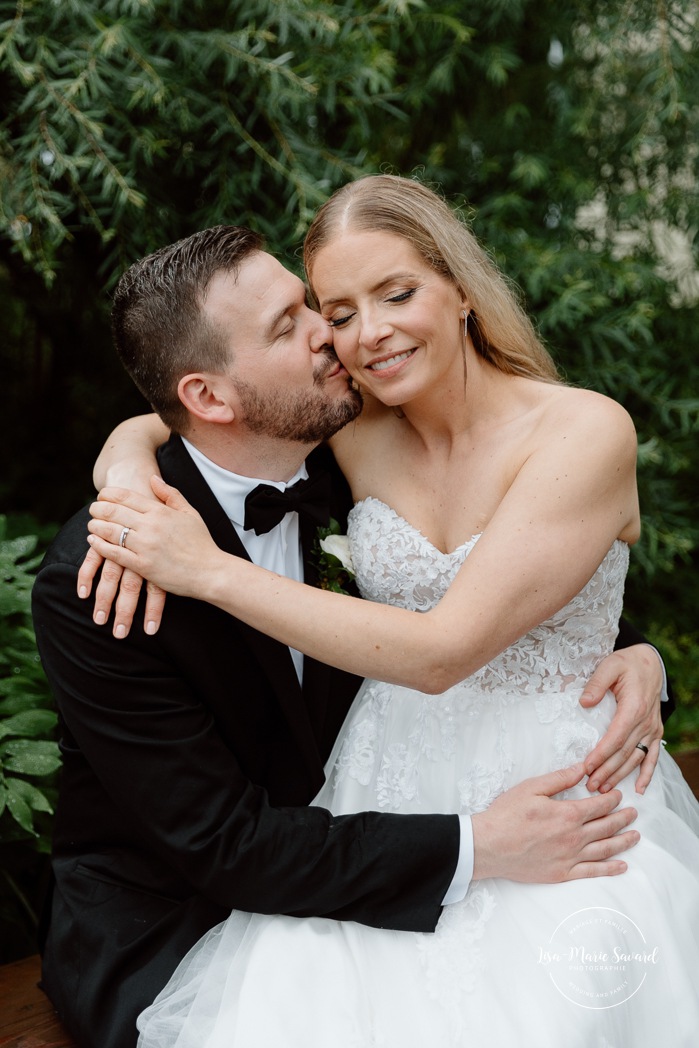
374,288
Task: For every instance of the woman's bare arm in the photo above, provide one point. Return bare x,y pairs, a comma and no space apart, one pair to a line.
127,459
570,500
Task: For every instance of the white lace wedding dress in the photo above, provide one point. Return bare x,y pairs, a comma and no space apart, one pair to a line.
602,963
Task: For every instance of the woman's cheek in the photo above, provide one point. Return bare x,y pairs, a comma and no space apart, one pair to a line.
346,349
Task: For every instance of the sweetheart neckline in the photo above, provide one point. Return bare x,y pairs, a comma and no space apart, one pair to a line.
469,542
458,549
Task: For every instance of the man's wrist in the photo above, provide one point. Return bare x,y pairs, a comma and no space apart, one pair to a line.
664,697
486,860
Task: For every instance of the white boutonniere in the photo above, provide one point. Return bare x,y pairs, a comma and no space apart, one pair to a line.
333,558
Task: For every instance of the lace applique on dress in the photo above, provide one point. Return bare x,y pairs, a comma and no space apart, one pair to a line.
452,957
358,755
396,564
396,735
479,788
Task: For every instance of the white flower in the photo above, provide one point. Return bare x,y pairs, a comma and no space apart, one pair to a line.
338,546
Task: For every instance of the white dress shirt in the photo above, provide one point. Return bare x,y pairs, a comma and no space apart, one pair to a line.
277,550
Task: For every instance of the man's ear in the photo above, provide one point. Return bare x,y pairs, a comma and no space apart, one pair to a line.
207,396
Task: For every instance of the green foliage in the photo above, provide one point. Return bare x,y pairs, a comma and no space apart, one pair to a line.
28,751
29,757
681,652
145,121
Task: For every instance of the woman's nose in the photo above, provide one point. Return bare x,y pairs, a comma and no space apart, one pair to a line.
373,328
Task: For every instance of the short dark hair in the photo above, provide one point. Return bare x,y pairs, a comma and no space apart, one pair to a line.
160,330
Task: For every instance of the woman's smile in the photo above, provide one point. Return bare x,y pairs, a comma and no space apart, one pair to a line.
391,363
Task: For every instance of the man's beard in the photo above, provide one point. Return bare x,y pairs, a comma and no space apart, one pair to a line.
308,416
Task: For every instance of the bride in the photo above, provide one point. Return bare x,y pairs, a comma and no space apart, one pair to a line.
494,509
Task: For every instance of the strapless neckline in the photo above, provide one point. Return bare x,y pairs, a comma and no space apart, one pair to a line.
403,520
458,549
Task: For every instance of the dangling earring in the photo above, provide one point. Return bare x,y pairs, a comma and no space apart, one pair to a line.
465,314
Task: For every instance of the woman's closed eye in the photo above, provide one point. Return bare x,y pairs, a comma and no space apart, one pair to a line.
339,321
403,296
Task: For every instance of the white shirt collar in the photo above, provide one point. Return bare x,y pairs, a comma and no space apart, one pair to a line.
231,489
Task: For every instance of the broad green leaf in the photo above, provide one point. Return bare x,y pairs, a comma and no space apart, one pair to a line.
29,722
20,810
29,757
30,795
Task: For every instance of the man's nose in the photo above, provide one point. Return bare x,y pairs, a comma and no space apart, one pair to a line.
322,334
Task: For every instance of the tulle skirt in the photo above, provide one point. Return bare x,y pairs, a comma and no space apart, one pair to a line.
600,963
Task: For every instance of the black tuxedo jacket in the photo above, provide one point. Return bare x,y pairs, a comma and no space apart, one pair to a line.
189,760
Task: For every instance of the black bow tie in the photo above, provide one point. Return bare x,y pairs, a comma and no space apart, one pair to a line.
265,506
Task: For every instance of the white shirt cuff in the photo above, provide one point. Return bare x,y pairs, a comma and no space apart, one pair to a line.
463,875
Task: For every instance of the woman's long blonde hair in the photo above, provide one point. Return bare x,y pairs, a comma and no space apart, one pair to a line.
500,329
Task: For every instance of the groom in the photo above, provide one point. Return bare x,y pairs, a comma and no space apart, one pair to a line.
190,756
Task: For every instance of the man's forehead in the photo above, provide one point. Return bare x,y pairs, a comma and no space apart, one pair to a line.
252,276
261,276
259,294
273,291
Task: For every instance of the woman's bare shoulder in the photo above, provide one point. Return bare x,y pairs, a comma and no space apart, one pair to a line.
585,410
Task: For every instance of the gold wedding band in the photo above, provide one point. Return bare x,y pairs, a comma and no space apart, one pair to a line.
122,537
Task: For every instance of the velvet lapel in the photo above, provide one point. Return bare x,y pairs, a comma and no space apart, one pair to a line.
274,658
